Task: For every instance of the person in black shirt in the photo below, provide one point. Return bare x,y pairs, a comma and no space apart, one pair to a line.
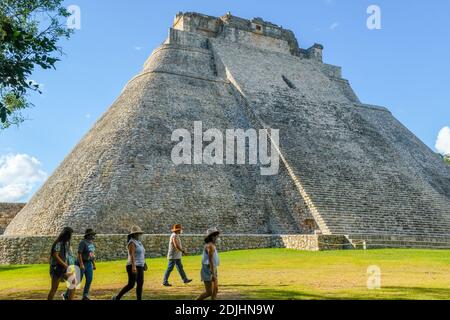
86,260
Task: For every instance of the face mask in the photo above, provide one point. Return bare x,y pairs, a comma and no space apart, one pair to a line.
181,232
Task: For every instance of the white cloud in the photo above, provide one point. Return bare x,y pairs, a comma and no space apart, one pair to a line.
334,25
19,174
137,48
443,141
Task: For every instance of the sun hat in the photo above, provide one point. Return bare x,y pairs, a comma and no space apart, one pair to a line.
177,227
136,230
211,232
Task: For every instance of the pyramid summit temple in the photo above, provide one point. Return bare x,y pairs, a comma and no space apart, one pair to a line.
346,168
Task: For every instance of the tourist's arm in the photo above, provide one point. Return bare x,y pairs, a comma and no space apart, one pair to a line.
59,260
132,250
211,259
80,261
177,245
81,249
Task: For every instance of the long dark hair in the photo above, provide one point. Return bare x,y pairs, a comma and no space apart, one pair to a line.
131,236
65,236
211,238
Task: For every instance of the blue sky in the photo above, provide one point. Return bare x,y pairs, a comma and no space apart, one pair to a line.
404,66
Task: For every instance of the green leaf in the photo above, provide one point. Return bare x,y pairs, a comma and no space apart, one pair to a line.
26,41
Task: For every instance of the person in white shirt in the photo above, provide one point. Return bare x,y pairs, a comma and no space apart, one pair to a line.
210,262
174,256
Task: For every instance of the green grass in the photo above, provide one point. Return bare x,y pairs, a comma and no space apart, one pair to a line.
267,274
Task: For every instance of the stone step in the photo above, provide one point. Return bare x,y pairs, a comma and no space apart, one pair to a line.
371,241
405,245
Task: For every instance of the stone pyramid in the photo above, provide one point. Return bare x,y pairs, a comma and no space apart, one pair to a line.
346,167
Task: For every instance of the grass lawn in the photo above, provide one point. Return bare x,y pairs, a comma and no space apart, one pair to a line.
267,274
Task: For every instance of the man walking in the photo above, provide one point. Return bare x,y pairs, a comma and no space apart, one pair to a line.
174,255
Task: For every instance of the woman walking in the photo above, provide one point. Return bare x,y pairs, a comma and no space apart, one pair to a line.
61,258
136,264
86,260
210,262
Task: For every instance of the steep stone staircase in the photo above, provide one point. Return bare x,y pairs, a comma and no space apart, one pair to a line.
368,241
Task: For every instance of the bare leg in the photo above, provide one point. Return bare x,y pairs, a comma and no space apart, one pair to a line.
215,289
71,295
208,291
54,288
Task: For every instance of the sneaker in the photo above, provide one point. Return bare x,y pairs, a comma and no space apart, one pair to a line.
188,281
63,296
167,284
86,298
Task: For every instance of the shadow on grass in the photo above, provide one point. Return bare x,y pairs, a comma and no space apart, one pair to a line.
12,268
386,293
252,292
271,294
420,292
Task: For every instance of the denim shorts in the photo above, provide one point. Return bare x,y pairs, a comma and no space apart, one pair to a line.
205,274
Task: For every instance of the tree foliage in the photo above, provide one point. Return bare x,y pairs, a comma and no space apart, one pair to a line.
29,35
447,158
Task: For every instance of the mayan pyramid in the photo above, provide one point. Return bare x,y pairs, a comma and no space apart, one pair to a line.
346,167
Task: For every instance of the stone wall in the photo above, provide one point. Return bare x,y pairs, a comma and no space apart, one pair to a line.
28,250
7,212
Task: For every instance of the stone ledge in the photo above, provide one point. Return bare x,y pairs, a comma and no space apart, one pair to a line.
36,249
372,107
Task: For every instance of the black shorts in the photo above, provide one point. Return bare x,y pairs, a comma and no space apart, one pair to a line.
57,271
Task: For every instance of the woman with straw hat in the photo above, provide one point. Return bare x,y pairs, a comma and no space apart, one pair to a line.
136,264
210,262
174,256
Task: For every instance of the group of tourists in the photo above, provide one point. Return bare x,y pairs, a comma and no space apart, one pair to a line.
71,269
